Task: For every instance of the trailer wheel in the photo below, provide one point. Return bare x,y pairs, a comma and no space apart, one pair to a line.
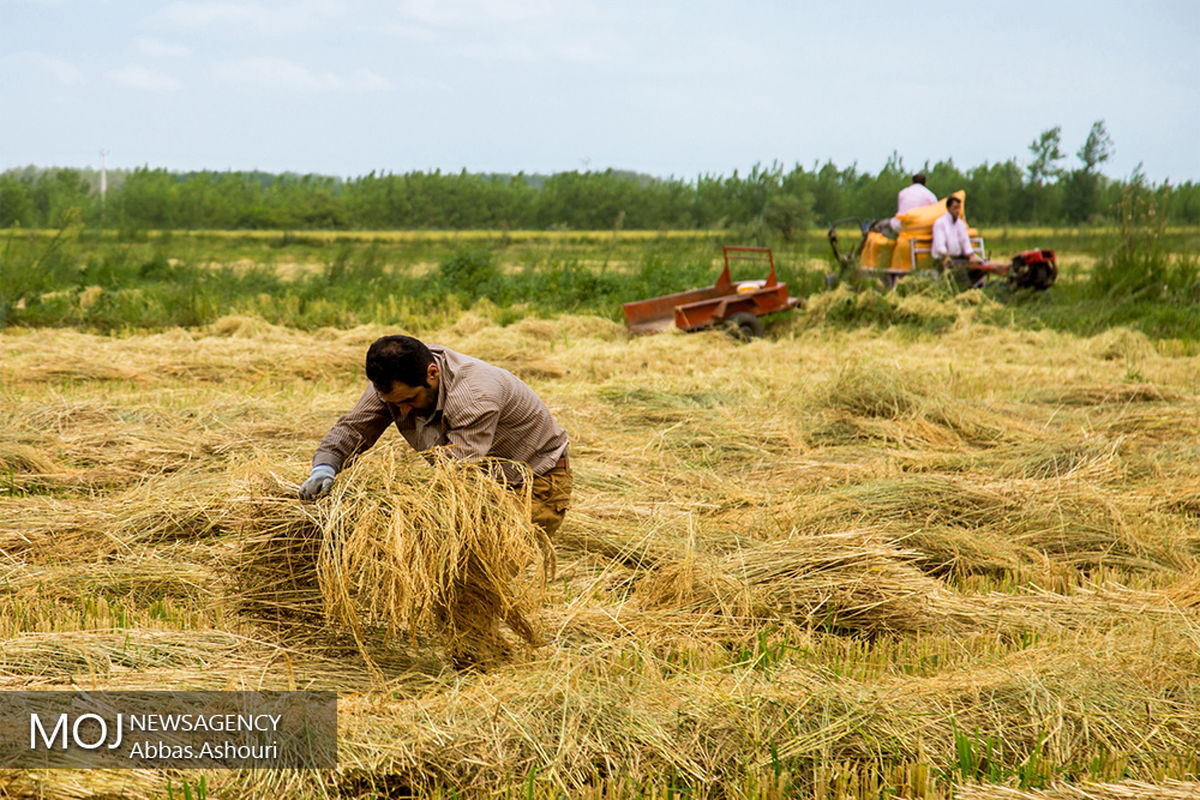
744,326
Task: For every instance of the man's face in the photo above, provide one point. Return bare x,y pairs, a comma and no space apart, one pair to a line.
421,399
954,207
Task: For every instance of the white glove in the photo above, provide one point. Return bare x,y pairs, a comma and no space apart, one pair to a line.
318,483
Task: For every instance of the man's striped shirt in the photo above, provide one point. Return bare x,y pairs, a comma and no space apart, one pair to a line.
482,411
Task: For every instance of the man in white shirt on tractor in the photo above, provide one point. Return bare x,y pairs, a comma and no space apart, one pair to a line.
912,196
951,241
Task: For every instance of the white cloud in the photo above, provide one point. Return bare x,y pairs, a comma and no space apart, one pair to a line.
364,80
498,51
157,48
444,13
518,51
521,31
26,61
137,77
413,83
581,51
263,18
411,33
282,75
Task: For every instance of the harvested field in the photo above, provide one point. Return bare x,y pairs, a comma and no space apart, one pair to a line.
824,564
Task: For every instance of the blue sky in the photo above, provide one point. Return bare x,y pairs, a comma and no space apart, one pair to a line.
343,87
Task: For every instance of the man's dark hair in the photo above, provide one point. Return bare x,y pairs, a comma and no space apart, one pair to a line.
398,358
919,178
950,200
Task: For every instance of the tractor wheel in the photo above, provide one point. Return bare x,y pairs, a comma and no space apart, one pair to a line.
744,326
1047,274
1040,276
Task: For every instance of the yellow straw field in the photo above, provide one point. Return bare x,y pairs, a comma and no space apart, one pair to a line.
827,563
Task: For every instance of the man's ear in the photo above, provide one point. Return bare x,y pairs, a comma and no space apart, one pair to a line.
431,373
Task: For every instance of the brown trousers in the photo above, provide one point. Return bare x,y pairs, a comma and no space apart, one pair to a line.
551,499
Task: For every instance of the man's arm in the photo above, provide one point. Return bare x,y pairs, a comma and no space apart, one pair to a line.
354,433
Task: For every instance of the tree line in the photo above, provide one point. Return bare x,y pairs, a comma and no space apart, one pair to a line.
1047,190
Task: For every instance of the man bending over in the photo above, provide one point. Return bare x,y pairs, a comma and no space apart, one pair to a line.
473,410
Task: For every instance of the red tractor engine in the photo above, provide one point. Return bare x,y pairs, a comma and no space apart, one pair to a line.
1033,269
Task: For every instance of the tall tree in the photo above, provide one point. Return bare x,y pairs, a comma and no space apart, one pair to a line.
1084,183
1047,152
1097,148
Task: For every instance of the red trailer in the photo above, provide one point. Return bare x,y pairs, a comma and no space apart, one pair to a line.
734,305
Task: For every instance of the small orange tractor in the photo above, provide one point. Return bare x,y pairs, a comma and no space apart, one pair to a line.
734,305
889,258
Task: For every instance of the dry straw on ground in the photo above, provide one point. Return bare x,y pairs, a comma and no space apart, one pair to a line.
1126,790
834,548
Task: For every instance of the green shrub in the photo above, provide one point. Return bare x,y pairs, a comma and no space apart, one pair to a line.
1140,265
470,273
788,214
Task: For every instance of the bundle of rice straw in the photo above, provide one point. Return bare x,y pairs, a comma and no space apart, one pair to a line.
439,548
696,584
851,580
274,576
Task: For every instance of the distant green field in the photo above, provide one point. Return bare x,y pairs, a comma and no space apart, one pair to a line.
104,280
